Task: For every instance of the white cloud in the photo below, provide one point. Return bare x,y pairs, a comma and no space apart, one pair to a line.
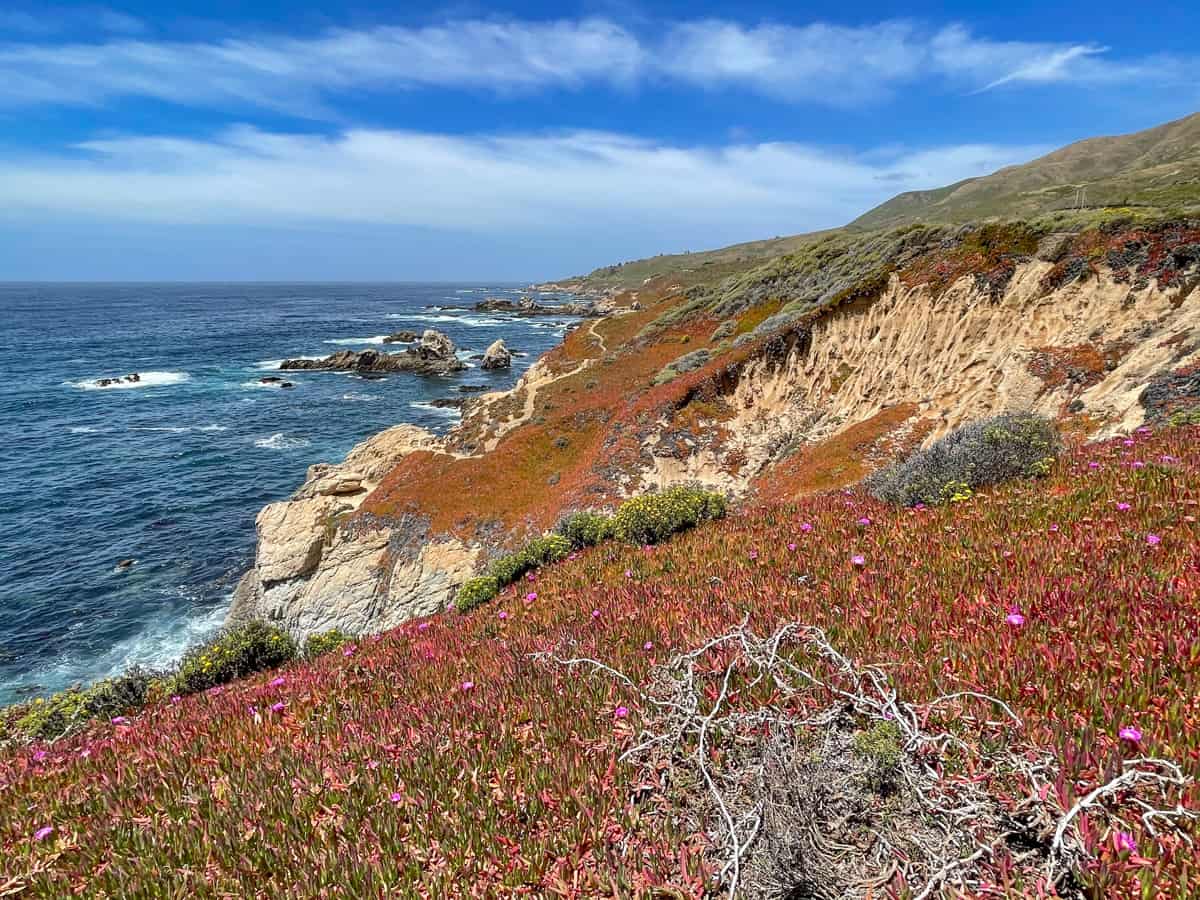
821,63
489,184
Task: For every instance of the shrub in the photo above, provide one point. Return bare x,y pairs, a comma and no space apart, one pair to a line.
476,592
1013,445
234,653
538,552
585,528
652,518
881,746
325,642
68,711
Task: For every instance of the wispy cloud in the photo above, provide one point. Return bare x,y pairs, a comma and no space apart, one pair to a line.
579,180
818,63
50,20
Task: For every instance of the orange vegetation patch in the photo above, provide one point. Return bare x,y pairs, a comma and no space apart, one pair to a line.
844,459
1082,365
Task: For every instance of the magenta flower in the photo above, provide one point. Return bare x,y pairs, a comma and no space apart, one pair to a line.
216,691
373,764
919,507
1128,442
865,521
1123,507
503,614
532,576
349,651
44,832
621,712
628,573
753,554
120,720
253,710
1138,464
791,546
468,685
39,756
806,527
531,596
1167,459
573,556
396,797
858,560
1015,619
1130,733
424,626
176,700
1124,842
1054,528
278,682
648,646
277,707
1093,465
595,613
1153,540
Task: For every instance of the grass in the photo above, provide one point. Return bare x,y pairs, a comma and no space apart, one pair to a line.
441,760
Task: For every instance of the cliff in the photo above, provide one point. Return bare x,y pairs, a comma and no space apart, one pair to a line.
796,377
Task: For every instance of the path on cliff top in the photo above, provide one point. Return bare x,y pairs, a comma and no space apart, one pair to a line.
535,384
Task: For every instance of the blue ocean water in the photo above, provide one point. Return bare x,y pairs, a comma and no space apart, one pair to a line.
172,471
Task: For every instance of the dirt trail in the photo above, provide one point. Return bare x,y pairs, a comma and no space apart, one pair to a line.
536,383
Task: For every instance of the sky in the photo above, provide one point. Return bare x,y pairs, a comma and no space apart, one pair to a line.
273,140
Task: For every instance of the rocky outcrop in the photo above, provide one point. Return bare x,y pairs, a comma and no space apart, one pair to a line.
401,337
527,306
433,355
497,356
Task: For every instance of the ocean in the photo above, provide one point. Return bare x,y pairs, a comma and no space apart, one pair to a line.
171,471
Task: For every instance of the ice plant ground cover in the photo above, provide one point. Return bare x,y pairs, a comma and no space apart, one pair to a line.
441,760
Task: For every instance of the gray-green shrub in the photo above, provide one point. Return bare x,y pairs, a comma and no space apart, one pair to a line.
1013,445
585,528
234,653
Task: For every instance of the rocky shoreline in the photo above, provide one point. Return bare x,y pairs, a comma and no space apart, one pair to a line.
434,354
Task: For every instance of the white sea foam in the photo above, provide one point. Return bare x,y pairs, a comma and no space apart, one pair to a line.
270,365
281,441
359,398
429,407
179,429
355,342
145,380
85,429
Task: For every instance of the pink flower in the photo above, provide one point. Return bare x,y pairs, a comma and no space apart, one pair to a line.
806,527
1145,429
424,626
1138,464
216,691
503,614
1128,442
277,707
396,797
1153,540
1123,507
532,576
628,573
39,756
1015,619
1054,528
1167,459
753,554
573,556
373,764
1124,842
1093,465
349,651
648,646
531,596
176,700
864,521
120,720
621,712
278,682
858,560
44,832
468,685
595,613
791,546
253,710
1130,733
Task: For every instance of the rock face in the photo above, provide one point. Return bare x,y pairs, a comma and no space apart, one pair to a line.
401,337
496,356
311,574
434,355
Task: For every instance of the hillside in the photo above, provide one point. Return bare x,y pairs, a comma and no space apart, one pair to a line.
449,750
1158,168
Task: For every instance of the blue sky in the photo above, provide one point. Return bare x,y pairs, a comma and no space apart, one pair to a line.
279,140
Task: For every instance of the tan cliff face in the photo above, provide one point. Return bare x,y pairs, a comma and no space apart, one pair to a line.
912,363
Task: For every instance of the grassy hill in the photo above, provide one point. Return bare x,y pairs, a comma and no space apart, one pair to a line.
1149,175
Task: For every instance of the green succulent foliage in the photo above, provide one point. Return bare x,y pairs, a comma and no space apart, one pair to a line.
234,653
882,746
325,642
476,592
653,518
